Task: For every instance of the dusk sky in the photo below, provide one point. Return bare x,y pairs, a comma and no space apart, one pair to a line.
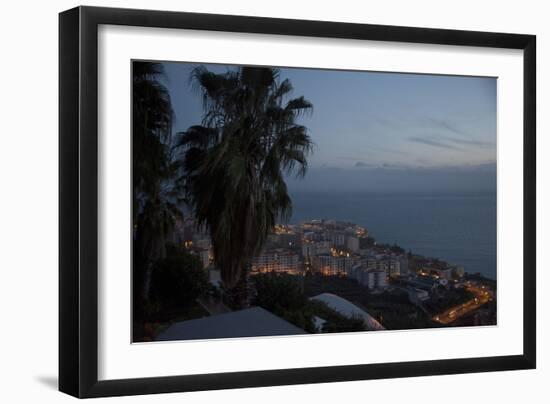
382,131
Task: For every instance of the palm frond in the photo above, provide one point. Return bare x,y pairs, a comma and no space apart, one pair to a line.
236,160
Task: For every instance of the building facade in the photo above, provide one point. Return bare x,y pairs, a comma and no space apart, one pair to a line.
373,279
327,264
279,260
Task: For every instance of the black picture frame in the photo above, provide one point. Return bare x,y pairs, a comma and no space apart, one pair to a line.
78,201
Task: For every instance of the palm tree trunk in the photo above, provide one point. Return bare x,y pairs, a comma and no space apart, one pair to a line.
240,295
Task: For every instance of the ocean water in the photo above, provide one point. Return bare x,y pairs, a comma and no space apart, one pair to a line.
459,228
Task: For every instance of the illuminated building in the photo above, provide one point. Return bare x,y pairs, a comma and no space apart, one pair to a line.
338,239
391,265
440,273
328,264
278,260
309,249
459,271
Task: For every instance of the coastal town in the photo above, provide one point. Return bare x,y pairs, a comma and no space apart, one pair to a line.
345,274
215,251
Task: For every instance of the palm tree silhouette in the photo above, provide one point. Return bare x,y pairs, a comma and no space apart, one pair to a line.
237,159
154,172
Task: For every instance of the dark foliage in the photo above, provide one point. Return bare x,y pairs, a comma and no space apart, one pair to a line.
444,299
282,295
178,280
236,159
154,207
277,292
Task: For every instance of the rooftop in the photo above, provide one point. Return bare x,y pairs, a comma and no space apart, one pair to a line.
348,309
251,322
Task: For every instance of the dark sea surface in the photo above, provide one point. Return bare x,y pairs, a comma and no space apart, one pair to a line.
459,228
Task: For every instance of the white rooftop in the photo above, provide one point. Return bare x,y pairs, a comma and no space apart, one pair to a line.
348,309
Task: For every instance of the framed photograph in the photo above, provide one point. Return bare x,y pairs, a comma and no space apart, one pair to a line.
251,201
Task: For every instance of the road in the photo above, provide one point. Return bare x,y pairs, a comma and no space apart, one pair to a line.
482,296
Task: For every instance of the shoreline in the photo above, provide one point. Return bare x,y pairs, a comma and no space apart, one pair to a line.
442,227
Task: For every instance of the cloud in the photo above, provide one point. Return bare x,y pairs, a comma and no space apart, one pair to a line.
396,177
363,164
445,124
394,166
387,150
471,142
465,139
383,166
434,143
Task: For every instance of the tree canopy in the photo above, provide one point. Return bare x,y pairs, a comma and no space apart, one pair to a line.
237,158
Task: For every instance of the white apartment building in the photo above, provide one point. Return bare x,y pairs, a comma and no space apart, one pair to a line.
279,260
442,273
328,264
377,279
352,243
310,249
403,264
391,265
338,239
373,279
